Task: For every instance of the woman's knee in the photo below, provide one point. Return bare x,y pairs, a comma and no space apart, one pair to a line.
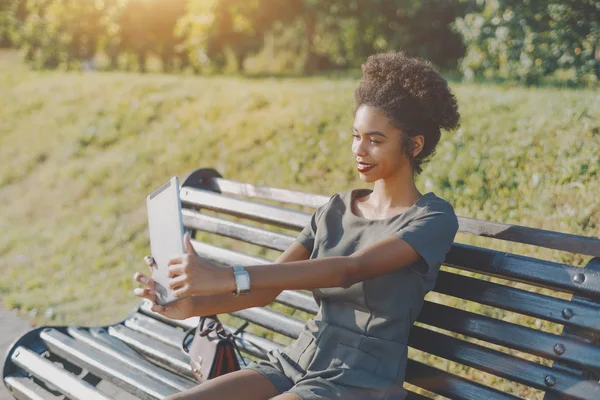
178,396
286,396
242,385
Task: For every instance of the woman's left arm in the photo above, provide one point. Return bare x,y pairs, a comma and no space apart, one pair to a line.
429,236
192,275
377,259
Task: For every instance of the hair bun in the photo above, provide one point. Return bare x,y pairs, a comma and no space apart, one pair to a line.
418,80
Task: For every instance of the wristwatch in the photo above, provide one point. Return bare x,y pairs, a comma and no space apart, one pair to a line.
242,279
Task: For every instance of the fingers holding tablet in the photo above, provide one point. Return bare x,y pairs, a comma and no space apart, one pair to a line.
147,292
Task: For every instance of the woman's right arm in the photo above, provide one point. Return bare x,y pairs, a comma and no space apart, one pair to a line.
219,304
222,303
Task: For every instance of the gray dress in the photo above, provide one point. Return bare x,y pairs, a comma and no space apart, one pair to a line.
356,346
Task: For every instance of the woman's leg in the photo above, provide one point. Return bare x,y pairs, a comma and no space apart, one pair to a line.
245,384
286,396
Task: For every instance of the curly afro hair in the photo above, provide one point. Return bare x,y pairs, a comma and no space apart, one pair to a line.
413,95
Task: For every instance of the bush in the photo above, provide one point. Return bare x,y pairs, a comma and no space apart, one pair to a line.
525,40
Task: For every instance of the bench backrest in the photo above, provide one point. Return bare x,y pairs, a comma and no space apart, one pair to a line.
476,329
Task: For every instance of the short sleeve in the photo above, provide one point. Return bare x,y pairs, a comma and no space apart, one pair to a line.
431,234
308,234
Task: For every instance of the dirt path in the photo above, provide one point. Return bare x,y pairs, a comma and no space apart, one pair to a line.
11,327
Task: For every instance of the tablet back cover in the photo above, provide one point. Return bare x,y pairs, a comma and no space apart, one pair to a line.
166,234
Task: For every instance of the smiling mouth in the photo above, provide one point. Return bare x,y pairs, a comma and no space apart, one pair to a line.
362,167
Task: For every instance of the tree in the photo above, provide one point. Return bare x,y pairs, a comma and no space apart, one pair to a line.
214,28
528,39
12,15
164,17
60,32
351,30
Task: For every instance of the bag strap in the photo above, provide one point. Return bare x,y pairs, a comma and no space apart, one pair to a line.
192,331
183,346
220,331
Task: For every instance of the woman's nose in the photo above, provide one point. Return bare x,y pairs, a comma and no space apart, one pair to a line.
358,147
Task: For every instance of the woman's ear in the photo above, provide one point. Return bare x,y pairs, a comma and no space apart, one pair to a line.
417,144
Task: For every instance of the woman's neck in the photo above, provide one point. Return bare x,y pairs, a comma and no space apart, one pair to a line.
397,192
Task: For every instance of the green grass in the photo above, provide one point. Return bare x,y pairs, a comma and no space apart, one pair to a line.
80,151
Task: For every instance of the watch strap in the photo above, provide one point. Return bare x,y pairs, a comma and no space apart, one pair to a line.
242,279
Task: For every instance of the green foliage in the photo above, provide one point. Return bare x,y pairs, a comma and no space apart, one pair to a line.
351,30
61,33
7,20
526,40
212,28
511,39
211,35
146,26
12,14
340,34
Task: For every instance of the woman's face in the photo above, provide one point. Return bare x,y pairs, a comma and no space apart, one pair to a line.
377,145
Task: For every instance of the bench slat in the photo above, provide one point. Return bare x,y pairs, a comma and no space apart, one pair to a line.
255,211
501,364
144,366
298,300
520,301
254,345
415,396
249,340
272,320
55,377
101,335
525,269
156,329
449,385
225,256
105,366
509,335
247,233
23,388
173,336
153,349
265,192
537,237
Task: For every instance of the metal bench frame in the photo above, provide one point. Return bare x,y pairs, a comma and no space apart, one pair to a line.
138,357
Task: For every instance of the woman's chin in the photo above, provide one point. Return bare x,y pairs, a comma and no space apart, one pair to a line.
367,178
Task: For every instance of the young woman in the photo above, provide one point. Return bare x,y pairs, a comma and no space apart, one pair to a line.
369,256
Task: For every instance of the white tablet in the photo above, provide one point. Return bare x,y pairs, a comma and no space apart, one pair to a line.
165,225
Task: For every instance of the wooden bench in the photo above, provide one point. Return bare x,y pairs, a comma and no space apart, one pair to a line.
139,356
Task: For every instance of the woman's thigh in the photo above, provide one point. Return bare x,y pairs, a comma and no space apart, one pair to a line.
244,384
287,396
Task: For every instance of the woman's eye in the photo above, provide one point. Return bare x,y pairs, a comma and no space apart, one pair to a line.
356,137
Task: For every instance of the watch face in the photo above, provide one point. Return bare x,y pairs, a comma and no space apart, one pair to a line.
245,282
242,279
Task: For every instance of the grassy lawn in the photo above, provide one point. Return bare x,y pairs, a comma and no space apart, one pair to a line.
80,151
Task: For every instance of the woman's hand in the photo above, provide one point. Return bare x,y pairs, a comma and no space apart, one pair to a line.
191,275
148,291
179,309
